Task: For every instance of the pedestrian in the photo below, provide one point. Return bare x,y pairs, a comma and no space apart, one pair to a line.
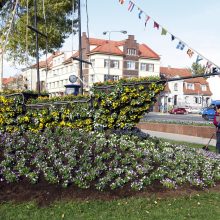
216,122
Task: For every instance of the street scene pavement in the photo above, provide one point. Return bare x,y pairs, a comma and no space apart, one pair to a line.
178,137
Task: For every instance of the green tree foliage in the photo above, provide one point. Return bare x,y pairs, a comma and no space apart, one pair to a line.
58,26
197,69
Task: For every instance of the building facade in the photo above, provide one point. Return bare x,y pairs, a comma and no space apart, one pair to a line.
107,60
194,93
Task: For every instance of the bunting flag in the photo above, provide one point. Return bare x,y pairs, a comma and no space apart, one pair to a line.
156,25
190,52
139,15
198,58
180,45
208,67
131,6
147,19
208,64
164,31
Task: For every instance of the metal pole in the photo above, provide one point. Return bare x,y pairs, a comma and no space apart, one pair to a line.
37,47
109,48
80,49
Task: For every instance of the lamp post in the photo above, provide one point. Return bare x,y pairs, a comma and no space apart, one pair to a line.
109,37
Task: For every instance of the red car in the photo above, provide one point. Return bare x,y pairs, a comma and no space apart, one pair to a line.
178,111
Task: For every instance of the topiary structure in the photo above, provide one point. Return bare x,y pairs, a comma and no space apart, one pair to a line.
111,105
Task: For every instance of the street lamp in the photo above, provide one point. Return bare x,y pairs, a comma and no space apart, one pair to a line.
109,37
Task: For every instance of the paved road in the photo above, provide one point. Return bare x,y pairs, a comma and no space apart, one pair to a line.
170,117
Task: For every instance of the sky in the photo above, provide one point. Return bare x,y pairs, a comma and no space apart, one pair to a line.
194,22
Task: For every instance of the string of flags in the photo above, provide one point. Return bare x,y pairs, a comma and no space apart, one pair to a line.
181,45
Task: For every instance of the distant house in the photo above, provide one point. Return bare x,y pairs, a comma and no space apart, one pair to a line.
111,60
193,92
12,83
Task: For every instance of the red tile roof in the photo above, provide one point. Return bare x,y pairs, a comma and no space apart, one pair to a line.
174,72
169,72
147,52
109,47
112,47
6,81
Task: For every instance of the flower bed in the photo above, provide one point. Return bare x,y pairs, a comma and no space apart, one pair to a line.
103,160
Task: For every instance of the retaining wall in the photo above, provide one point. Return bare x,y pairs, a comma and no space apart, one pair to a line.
197,131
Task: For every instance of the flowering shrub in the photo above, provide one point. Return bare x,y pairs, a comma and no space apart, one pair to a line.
103,160
121,106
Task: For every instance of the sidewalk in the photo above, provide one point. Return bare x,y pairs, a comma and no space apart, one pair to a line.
178,137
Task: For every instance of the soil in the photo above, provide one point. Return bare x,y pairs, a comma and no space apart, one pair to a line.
45,194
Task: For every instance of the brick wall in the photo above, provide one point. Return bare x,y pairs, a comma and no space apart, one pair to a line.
197,131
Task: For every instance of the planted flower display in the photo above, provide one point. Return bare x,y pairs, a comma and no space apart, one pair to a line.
103,161
116,105
91,142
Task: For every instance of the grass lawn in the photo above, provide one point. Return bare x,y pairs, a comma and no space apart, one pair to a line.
200,206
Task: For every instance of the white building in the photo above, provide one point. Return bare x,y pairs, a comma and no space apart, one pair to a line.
194,93
111,60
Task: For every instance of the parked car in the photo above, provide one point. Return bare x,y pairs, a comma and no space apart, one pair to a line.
192,110
209,112
178,111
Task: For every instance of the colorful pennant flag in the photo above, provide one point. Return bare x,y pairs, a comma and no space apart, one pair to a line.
208,64
180,45
208,67
198,58
147,19
164,31
139,15
190,52
172,37
131,6
156,25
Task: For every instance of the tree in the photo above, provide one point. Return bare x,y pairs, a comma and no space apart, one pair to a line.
21,39
197,69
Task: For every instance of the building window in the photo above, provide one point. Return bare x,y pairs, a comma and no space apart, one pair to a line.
203,87
143,67
147,67
131,52
130,65
115,64
92,78
111,77
190,86
115,78
187,99
176,87
93,62
106,63
198,100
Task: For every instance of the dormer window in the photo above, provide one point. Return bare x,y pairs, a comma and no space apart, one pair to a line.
203,87
190,86
132,52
